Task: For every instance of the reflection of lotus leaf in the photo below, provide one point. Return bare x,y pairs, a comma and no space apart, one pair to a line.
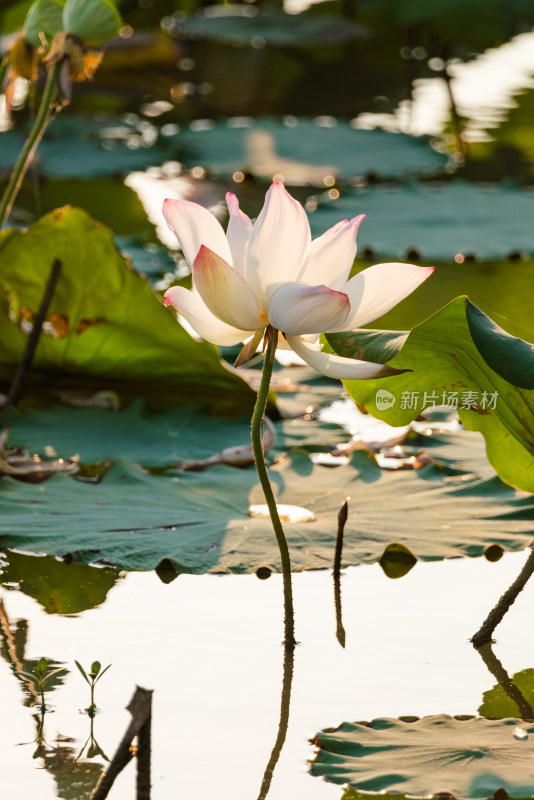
60,588
465,757
498,705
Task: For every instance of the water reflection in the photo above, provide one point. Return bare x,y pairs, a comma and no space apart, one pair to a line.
75,780
509,697
59,587
289,660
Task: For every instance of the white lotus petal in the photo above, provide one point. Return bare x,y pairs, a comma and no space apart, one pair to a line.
299,309
278,245
195,311
225,292
337,366
194,226
237,233
376,290
332,255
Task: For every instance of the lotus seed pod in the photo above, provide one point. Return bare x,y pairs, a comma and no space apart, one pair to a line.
43,18
95,22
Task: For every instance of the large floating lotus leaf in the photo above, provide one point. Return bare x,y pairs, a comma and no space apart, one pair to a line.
305,152
133,519
437,222
105,326
60,588
498,703
246,25
465,758
153,439
460,353
90,148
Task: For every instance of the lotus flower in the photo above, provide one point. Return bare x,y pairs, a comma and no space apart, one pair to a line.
271,273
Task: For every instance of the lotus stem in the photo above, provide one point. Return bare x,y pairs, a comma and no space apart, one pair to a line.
4,64
257,416
289,661
485,633
341,522
31,143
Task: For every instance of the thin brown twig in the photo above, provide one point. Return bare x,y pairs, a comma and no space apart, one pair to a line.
33,338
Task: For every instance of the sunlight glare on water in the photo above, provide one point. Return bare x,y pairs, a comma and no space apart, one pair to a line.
285,512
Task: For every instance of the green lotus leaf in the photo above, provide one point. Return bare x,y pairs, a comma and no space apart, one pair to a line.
95,22
86,148
105,327
306,152
438,222
199,521
456,355
245,25
165,437
460,757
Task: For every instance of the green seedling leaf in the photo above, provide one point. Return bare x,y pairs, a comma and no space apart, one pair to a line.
42,666
84,674
95,667
461,757
457,353
50,675
95,22
102,673
28,675
105,326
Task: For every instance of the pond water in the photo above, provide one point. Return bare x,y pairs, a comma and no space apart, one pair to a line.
209,645
210,648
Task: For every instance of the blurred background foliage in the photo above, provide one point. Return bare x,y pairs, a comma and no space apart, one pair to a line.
193,99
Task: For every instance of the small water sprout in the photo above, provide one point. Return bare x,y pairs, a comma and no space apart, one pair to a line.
269,281
41,674
92,679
